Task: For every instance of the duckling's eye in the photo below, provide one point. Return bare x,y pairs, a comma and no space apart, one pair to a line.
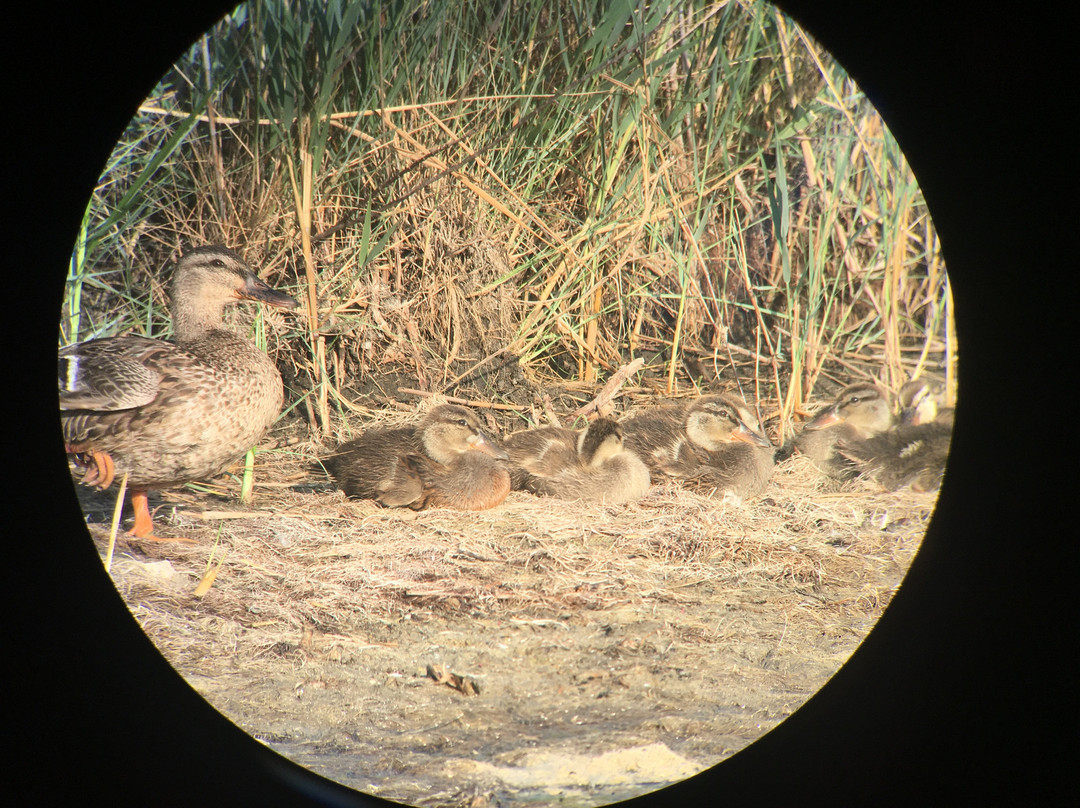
217,262
462,422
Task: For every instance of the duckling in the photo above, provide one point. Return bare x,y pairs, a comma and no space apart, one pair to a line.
600,467
708,443
861,411
913,452
166,413
448,460
920,403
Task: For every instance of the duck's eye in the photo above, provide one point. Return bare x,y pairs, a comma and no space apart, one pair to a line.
462,422
217,262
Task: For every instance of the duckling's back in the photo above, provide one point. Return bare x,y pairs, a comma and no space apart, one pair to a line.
623,477
910,454
368,467
601,469
542,450
656,435
738,470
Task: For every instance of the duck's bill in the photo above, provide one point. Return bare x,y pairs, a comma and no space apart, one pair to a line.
823,419
748,435
255,289
482,442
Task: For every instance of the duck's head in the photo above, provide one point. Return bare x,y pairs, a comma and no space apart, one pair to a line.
209,278
600,441
712,421
919,401
449,431
862,407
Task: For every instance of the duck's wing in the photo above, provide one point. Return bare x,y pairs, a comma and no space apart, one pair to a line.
740,468
679,458
403,486
543,450
621,478
909,454
111,374
372,466
656,436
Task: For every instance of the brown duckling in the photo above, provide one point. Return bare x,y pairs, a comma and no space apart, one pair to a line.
165,413
448,460
861,411
916,450
708,443
599,468
920,403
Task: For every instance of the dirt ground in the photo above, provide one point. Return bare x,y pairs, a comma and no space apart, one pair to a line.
542,651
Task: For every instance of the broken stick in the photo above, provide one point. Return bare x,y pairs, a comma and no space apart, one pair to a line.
489,405
601,404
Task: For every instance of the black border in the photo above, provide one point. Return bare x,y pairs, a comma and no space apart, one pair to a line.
963,693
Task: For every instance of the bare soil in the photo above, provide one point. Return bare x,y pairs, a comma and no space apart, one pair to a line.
541,651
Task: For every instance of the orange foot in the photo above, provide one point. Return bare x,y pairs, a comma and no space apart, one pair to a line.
100,471
144,523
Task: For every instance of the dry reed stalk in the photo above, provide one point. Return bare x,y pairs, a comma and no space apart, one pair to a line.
487,405
115,525
208,580
304,201
601,403
951,351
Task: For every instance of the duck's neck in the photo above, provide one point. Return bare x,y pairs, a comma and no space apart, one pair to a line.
608,449
194,318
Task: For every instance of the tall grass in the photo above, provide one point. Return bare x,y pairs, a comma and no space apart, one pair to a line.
452,186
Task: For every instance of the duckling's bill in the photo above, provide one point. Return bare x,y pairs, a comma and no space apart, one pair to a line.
482,442
823,419
748,435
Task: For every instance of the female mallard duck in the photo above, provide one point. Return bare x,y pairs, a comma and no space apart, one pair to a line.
165,413
708,443
861,411
916,450
592,464
448,460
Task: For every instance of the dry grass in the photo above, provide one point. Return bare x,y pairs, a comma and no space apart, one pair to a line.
675,620
320,562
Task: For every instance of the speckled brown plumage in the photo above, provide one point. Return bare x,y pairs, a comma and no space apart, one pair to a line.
915,451
708,443
164,412
592,464
448,460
